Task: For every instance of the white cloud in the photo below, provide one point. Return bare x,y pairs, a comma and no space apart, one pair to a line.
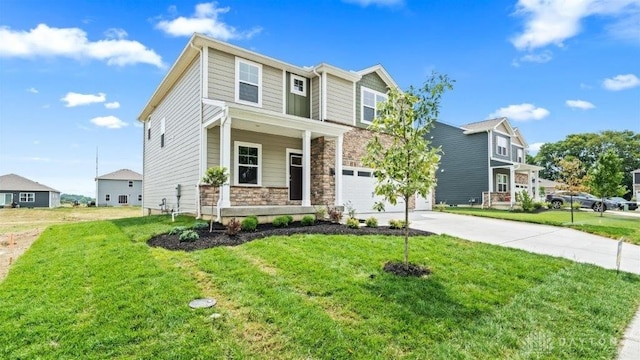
521,112
365,3
74,99
205,20
110,122
621,82
552,22
33,90
535,147
539,58
112,105
115,33
580,104
73,43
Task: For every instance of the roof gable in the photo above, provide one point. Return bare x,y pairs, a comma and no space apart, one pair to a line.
122,174
380,71
13,182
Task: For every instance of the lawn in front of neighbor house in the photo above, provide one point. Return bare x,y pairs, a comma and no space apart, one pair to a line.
96,290
609,225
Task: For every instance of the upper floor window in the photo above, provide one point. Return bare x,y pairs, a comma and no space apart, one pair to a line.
248,82
501,146
520,156
162,128
130,183
370,99
248,163
27,197
149,129
298,85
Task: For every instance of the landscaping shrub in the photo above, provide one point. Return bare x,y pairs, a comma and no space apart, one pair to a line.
576,205
250,223
526,201
372,222
233,227
397,224
321,212
351,211
548,205
353,223
177,230
281,221
307,220
441,206
538,205
289,218
335,215
189,235
200,226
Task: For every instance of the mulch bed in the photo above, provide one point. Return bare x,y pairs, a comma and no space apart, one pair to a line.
219,238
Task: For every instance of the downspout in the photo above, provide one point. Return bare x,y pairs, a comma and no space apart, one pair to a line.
225,113
319,94
200,163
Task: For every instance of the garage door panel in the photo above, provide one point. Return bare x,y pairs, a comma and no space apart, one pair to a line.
358,188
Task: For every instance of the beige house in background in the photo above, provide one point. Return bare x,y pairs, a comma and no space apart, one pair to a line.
636,184
292,137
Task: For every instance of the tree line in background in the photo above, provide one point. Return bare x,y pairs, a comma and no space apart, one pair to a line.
583,151
71,198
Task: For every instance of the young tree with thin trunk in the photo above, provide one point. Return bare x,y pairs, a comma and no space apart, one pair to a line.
215,177
407,166
572,177
605,177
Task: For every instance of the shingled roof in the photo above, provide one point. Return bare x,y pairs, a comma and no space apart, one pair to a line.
484,125
122,174
13,182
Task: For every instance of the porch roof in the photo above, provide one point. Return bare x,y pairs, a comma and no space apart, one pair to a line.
518,167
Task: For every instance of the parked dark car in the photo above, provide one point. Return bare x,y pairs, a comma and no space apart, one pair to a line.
621,202
587,201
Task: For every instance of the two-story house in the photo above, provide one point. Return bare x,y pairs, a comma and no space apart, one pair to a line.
292,137
483,163
119,188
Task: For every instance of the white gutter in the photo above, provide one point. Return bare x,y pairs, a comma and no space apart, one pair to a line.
319,94
200,162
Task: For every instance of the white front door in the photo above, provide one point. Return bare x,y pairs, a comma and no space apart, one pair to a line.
358,188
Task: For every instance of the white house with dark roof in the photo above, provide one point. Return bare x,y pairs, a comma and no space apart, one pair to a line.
17,191
119,188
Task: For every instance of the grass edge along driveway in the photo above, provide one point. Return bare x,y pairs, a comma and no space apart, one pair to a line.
96,290
610,225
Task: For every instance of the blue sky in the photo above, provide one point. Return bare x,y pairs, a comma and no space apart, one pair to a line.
74,75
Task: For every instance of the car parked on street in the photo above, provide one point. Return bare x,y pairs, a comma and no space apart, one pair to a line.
621,202
586,200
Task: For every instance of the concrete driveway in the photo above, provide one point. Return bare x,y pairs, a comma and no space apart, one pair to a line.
541,239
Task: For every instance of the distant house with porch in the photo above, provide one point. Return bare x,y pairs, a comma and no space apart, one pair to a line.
636,184
483,163
18,191
119,188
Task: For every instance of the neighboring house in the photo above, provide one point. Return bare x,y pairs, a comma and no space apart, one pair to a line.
636,184
119,188
549,187
483,163
19,191
292,137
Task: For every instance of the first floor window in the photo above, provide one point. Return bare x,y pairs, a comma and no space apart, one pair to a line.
248,163
27,197
370,100
122,199
107,197
140,197
502,182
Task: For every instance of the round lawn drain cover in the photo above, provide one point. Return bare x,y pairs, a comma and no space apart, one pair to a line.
202,303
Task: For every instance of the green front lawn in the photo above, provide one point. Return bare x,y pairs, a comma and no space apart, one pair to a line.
609,225
96,290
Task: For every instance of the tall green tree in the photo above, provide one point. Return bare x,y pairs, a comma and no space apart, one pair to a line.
407,165
572,177
587,147
215,177
605,177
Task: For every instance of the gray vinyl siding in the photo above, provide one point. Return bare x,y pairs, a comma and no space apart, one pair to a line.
213,147
339,100
297,105
374,82
41,199
221,68
272,89
115,188
178,161
495,146
274,155
463,172
315,93
210,111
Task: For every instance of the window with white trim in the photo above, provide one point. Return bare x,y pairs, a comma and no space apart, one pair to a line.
501,146
130,183
298,85
27,197
123,199
502,182
248,164
139,197
107,197
149,129
248,82
370,100
520,155
162,128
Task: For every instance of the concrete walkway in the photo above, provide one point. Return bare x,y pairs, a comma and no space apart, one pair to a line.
541,239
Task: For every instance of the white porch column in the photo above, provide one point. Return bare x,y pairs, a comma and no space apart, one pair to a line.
225,159
306,168
531,184
512,184
491,190
338,172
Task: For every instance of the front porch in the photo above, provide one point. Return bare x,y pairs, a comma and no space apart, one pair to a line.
505,180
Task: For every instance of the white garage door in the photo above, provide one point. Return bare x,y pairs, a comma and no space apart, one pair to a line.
357,187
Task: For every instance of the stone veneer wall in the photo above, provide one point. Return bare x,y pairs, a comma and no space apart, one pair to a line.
522,179
323,184
250,196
